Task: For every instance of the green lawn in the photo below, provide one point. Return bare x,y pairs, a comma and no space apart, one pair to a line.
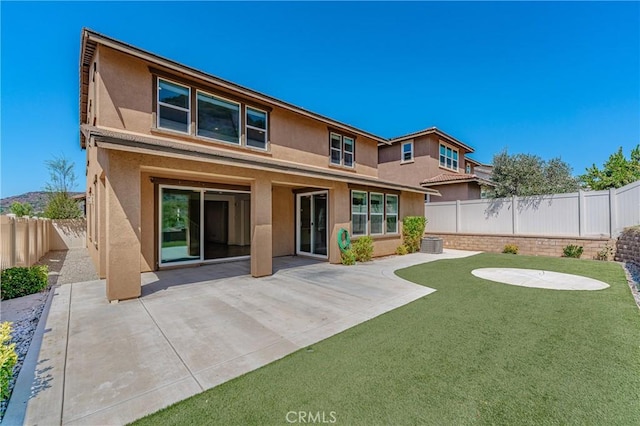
474,352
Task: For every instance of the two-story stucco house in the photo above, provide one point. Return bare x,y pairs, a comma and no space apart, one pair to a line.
185,168
432,159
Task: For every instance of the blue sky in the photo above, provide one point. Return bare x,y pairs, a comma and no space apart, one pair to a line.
546,78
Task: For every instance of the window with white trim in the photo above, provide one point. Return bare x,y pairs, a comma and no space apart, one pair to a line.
359,213
407,152
256,128
218,118
174,106
376,212
468,169
448,157
341,150
391,212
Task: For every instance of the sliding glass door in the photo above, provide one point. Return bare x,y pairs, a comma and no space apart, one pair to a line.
312,211
202,225
180,215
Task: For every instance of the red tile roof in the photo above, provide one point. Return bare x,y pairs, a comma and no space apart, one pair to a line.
445,178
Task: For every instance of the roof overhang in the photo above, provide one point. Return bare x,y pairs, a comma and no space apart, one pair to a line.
124,141
477,180
429,131
90,40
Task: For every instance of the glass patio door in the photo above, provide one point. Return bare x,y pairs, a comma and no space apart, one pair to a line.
180,224
312,223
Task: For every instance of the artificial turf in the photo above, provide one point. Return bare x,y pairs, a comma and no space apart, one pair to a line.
473,352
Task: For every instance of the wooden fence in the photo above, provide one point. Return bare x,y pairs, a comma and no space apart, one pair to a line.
23,240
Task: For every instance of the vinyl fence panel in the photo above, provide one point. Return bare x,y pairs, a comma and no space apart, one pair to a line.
578,214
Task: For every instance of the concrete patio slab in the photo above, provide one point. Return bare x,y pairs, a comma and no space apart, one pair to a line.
196,328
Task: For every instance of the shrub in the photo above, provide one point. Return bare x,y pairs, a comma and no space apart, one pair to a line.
362,248
20,281
8,359
607,253
348,257
412,231
572,251
510,249
21,209
401,250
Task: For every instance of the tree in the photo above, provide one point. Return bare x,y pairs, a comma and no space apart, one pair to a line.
615,173
21,209
527,174
62,180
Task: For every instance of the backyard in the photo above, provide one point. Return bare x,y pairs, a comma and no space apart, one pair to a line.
475,351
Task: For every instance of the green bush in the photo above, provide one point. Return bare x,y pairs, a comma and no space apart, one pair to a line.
401,250
362,248
20,281
348,257
572,251
412,231
8,359
510,249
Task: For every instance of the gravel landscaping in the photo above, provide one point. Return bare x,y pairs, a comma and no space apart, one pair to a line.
23,329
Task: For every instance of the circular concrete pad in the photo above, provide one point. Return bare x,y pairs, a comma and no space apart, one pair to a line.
539,279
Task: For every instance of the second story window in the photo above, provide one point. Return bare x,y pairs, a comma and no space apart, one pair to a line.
342,150
174,112
448,157
407,152
468,169
256,128
218,118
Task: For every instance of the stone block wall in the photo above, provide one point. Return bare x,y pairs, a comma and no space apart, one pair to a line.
527,244
628,246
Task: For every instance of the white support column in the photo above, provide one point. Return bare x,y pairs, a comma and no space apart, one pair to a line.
458,216
613,212
514,215
582,212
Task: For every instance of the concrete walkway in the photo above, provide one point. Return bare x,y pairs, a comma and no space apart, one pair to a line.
195,328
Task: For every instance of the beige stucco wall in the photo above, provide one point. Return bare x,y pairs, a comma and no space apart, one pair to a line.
130,212
68,234
125,88
96,222
283,221
458,191
425,165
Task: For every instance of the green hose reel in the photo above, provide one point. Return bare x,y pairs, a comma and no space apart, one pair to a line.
344,241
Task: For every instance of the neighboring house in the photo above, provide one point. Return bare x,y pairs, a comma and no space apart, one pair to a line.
185,168
432,159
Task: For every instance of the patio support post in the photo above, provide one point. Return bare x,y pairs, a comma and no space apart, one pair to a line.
261,227
339,216
122,173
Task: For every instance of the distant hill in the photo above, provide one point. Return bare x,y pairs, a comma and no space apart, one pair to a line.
37,199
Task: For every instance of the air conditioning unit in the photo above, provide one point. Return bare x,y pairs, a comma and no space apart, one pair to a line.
431,245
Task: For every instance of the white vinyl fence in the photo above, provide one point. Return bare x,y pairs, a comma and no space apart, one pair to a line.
578,214
23,240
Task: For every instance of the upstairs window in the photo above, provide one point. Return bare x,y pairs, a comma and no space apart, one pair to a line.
448,157
256,128
218,118
407,152
174,111
342,150
468,169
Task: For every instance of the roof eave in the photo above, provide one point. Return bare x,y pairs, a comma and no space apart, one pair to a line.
89,35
